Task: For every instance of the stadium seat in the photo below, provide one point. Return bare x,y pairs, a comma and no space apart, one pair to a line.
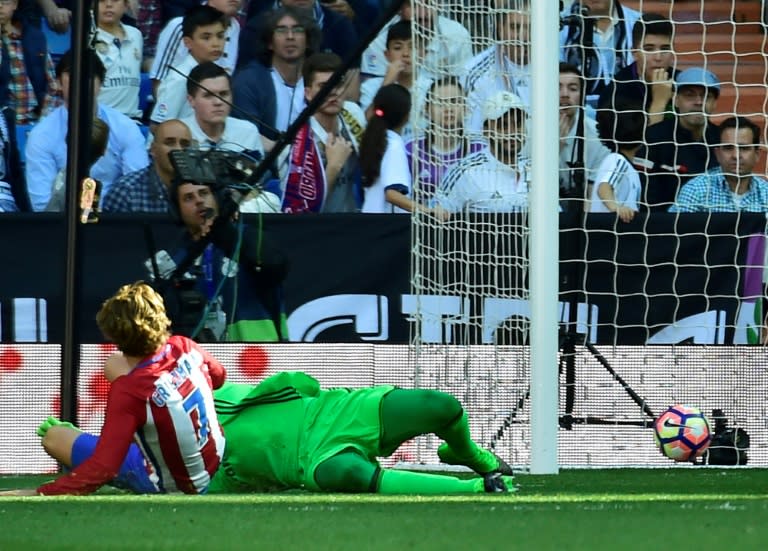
22,132
58,44
145,92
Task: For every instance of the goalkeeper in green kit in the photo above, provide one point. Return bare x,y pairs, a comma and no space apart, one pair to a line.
287,433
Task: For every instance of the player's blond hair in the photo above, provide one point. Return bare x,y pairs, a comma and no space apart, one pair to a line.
134,319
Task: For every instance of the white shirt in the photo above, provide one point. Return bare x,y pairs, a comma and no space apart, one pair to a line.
172,94
122,60
238,135
487,73
171,49
290,100
619,173
395,174
368,91
482,183
446,53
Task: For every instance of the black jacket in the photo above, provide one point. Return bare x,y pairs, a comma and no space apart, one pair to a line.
676,158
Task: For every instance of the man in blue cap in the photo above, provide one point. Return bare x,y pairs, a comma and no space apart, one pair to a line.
681,147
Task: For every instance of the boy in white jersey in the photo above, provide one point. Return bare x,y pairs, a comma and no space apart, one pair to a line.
445,49
120,49
504,66
617,184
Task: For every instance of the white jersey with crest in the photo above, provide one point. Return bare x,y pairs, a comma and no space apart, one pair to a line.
481,183
619,173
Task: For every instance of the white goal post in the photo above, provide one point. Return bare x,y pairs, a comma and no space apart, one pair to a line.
544,247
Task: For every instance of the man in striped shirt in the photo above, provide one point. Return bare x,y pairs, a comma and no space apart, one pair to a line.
161,433
503,66
731,187
494,179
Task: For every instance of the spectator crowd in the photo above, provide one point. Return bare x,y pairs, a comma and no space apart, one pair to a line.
431,117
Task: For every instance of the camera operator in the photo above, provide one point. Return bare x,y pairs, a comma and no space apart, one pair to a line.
596,37
237,270
581,151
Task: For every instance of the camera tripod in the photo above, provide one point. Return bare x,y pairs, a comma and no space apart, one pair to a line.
568,342
571,278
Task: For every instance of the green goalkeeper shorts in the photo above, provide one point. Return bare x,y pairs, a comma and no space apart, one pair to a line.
273,447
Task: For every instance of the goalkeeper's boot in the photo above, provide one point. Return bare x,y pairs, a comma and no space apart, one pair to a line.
53,422
496,483
483,462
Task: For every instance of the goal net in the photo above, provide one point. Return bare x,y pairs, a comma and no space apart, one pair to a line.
656,308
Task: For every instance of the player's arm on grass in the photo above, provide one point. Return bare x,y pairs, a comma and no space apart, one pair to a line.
125,413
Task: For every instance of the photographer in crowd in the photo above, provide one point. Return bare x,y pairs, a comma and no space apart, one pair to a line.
581,151
227,277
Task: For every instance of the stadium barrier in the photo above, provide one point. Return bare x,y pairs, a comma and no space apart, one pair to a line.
661,279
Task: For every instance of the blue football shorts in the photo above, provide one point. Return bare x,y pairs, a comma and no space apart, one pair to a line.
133,472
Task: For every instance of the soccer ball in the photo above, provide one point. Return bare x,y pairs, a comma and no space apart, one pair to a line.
682,433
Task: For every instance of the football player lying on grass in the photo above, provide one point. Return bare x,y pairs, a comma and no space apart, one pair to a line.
161,433
288,433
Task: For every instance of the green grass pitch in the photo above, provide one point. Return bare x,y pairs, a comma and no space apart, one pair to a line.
624,509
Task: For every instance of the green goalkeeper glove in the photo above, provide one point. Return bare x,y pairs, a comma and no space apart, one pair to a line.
53,422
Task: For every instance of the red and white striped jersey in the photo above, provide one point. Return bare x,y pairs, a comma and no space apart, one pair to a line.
165,405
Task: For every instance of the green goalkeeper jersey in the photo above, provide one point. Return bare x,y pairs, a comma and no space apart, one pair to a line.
279,431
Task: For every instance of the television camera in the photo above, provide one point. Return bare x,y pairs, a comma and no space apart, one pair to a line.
230,176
